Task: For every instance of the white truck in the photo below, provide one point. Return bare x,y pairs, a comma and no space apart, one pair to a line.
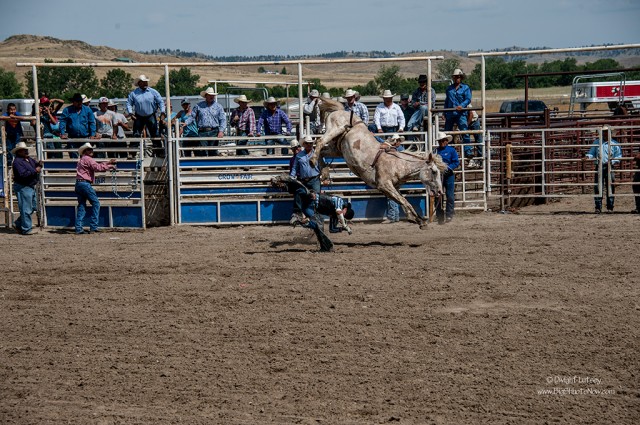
613,93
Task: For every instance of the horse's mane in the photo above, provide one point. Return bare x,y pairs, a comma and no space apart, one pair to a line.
330,105
437,160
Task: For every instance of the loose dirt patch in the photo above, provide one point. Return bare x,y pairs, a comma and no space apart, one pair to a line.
462,323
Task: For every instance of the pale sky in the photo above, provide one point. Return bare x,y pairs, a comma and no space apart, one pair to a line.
295,27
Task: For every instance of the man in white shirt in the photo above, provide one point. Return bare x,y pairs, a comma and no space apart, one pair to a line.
388,116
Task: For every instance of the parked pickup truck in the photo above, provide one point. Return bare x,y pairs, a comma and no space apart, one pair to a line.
511,106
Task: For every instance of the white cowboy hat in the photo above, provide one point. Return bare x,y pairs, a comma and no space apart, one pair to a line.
395,137
443,136
141,77
19,146
85,147
112,103
307,139
387,93
314,93
349,93
326,95
457,71
85,99
209,91
294,144
241,98
271,99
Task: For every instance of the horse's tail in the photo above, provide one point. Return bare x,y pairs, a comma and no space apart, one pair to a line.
330,105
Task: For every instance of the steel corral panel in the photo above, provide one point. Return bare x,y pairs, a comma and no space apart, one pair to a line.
205,212
126,217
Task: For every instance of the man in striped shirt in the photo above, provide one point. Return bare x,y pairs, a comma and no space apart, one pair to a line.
211,120
270,124
359,109
244,120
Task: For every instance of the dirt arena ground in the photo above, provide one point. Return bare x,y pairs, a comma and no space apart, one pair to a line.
467,323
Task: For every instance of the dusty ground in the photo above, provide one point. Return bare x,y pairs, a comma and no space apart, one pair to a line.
462,323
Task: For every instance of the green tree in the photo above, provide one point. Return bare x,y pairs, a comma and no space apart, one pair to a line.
10,88
387,78
284,71
446,67
181,83
117,83
261,70
63,82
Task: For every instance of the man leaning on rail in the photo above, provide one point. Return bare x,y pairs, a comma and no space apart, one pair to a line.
610,155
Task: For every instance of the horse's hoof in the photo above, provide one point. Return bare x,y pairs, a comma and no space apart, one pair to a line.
423,226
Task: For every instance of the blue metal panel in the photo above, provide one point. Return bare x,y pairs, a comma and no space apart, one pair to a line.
205,212
369,207
126,216
419,203
55,165
238,211
276,210
102,195
263,190
61,216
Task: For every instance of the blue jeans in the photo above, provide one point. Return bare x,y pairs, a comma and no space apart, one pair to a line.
272,142
477,138
417,117
74,146
26,204
12,141
636,189
393,210
85,192
242,143
606,176
460,118
300,196
208,143
448,184
374,130
53,143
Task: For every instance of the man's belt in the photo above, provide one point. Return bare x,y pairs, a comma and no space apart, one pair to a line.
206,129
308,179
82,180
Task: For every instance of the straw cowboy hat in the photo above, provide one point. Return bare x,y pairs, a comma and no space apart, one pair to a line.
387,93
141,77
85,147
458,71
326,95
395,138
111,103
19,146
314,93
242,98
307,139
349,93
443,136
208,91
85,99
294,144
271,99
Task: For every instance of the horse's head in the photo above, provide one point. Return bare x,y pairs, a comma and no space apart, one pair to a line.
431,174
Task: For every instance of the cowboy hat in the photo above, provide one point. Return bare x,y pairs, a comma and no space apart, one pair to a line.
85,147
77,97
396,138
19,146
208,91
111,103
294,144
307,139
422,78
271,99
184,101
85,99
326,95
314,93
443,136
387,93
141,77
241,98
456,72
349,93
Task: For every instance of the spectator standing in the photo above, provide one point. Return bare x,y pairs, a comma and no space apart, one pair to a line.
244,120
450,157
270,124
26,172
77,122
85,176
421,100
610,155
311,110
50,125
636,184
359,109
388,117
142,105
307,174
407,109
123,123
12,128
211,120
187,130
474,124
458,96
106,122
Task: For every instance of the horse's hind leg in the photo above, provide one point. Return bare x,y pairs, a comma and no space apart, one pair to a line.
391,192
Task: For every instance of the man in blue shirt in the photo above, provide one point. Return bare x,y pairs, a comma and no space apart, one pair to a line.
26,172
610,155
305,173
211,119
270,124
450,157
77,122
421,100
458,96
146,101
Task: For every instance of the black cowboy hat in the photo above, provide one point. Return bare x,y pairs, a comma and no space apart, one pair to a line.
422,78
349,213
77,97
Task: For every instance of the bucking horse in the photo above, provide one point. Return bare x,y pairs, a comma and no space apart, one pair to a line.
347,136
